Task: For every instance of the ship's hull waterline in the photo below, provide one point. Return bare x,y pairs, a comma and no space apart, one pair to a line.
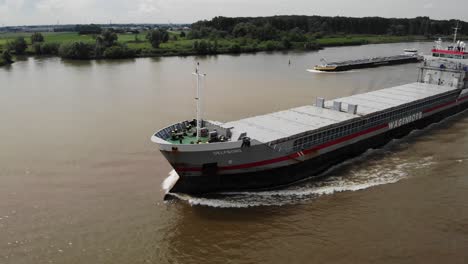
308,169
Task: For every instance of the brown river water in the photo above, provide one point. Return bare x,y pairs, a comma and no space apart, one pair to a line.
80,181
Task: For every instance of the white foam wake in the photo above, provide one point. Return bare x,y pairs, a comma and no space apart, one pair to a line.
170,181
353,179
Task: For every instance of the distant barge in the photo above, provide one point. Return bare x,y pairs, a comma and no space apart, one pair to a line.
367,63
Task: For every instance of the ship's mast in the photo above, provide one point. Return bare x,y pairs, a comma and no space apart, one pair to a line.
456,32
198,98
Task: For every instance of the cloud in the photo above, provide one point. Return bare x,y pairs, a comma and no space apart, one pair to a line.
22,12
428,6
70,11
8,9
12,4
68,6
46,6
148,7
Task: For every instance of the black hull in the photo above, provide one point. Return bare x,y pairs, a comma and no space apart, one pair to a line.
274,178
373,64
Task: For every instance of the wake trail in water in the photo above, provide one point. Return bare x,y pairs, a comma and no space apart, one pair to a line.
354,179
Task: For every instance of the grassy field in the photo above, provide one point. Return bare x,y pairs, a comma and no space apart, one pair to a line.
62,37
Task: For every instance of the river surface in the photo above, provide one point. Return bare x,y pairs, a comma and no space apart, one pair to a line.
80,181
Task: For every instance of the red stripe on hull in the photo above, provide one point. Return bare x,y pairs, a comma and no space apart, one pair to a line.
293,156
452,52
462,99
444,105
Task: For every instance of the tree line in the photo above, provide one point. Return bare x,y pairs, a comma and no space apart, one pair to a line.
275,27
106,45
235,35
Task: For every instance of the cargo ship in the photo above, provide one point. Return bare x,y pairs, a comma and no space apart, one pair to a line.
409,57
278,149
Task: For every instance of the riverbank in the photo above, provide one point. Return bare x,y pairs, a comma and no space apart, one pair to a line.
245,45
4,62
179,44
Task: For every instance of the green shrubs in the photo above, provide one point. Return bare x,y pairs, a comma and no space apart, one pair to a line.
271,45
157,36
205,47
81,51
119,52
76,50
50,48
37,48
311,46
18,45
5,58
37,37
235,48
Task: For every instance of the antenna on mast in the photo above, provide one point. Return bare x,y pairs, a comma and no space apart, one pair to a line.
456,32
198,98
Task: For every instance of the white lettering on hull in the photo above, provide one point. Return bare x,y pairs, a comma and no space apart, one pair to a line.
405,120
227,152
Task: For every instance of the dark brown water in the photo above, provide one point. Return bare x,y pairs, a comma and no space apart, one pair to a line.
80,181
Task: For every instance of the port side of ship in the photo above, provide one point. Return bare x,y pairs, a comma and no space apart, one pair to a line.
281,148
367,63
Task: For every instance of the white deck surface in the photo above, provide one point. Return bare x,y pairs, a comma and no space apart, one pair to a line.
273,126
380,100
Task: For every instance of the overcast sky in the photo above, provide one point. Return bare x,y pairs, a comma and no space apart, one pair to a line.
33,12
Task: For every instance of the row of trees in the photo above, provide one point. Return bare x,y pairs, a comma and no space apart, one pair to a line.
106,45
19,45
276,27
88,29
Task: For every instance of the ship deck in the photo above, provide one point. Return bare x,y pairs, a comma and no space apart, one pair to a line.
376,101
371,60
187,140
283,124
